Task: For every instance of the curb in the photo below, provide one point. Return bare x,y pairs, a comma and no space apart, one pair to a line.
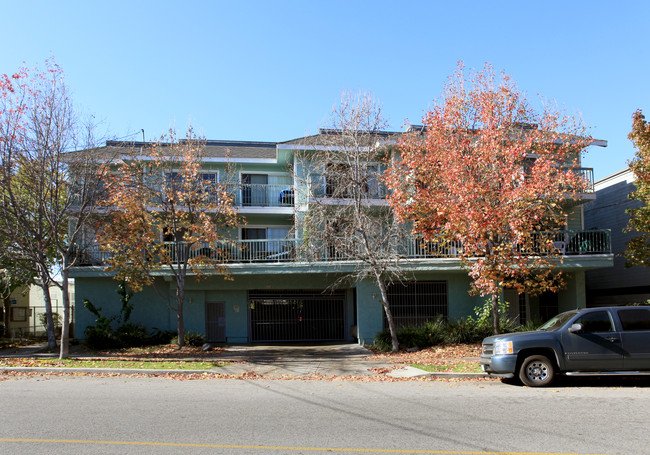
151,372
408,372
412,372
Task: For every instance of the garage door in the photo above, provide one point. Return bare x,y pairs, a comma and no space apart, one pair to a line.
296,315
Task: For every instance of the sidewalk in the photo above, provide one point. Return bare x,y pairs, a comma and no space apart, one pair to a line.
276,361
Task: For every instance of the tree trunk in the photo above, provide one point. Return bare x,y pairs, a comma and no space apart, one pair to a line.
389,314
495,313
45,286
7,310
180,296
65,326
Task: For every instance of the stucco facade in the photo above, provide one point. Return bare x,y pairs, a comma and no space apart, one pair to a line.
281,296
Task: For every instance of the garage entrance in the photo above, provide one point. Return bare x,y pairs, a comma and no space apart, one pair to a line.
296,316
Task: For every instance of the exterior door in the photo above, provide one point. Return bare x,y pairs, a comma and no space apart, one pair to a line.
597,347
254,189
215,322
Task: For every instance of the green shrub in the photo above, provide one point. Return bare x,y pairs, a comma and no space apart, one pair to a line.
441,331
192,339
529,326
99,338
131,335
161,336
462,331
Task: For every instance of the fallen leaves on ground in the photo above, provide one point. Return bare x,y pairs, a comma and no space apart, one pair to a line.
247,376
450,356
436,355
165,351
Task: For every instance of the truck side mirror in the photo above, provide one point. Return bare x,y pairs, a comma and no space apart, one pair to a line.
575,328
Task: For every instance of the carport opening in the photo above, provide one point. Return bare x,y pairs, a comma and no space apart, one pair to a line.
296,316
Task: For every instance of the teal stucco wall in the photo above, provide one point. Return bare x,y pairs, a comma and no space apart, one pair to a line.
363,309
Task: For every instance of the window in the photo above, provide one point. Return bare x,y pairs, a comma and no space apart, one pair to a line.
415,303
635,319
254,189
341,181
598,321
208,181
169,235
267,190
19,314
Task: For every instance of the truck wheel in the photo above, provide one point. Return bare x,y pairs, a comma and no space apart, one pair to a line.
536,371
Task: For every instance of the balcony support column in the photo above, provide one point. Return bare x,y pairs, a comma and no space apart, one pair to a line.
370,312
574,296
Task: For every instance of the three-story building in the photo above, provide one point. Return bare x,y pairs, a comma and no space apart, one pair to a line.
282,291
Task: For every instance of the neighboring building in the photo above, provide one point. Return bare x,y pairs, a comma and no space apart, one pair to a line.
37,306
619,285
17,315
277,294
26,311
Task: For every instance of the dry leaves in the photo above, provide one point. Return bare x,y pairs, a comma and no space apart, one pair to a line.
436,355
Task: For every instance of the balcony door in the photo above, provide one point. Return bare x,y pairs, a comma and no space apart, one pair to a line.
265,242
254,189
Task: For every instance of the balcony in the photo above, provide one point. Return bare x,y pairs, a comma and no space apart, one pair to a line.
566,243
264,195
587,173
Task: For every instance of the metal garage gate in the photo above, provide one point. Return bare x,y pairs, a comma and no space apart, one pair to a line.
296,315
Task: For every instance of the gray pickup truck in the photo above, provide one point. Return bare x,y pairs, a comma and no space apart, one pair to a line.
611,340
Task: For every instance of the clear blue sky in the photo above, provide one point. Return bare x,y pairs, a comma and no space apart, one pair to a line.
272,70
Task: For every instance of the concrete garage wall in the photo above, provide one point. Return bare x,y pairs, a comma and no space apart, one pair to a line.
152,312
370,311
148,308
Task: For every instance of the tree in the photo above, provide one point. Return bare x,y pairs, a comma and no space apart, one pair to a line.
489,172
637,250
41,213
347,210
160,193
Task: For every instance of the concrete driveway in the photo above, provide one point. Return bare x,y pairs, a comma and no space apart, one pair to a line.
300,360
278,360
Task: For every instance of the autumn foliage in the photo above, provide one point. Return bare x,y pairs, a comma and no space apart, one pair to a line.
638,249
163,215
489,173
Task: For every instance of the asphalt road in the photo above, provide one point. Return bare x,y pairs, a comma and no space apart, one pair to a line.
117,415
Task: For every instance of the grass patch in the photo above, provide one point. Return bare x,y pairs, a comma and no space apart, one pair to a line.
459,367
149,364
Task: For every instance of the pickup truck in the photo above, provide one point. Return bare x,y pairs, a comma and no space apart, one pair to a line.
592,341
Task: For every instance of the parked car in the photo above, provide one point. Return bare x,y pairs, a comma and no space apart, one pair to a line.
592,341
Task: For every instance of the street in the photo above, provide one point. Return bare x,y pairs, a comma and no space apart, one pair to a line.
116,415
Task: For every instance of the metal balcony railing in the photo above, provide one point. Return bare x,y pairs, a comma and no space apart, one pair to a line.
566,243
587,173
264,195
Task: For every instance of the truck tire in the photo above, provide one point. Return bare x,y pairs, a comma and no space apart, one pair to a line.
537,371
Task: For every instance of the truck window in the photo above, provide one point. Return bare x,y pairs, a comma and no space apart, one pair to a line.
598,321
557,321
635,319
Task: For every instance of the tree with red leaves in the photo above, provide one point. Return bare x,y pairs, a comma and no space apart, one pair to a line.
637,250
494,176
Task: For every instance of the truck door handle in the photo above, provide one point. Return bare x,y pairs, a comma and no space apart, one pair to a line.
612,339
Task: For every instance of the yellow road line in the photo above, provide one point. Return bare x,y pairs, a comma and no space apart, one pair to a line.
313,449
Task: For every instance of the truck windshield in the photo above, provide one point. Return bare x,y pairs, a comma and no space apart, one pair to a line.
557,321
